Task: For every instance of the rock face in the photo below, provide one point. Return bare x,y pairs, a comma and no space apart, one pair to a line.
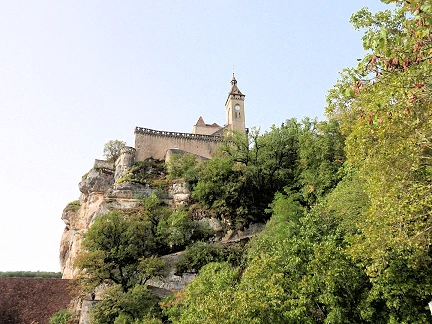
105,188
171,281
100,193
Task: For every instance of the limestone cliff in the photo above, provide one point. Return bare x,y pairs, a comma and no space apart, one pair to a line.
106,187
100,192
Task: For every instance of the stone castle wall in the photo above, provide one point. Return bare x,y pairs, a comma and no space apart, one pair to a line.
155,144
125,161
103,164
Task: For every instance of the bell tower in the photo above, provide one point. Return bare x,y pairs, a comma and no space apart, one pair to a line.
234,106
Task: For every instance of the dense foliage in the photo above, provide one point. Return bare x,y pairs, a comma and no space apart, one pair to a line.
121,252
63,316
349,251
239,182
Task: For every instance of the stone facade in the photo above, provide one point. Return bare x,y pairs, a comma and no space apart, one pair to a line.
203,140
126,160
155,144
234,106
206,129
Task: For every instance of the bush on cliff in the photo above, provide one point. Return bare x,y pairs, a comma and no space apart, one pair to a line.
119,307
63,316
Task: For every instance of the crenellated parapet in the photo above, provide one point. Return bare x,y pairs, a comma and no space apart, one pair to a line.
128,150
152,132
124,161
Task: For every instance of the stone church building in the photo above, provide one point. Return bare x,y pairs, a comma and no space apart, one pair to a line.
203,140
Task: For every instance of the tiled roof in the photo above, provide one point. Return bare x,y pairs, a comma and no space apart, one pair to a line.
27,300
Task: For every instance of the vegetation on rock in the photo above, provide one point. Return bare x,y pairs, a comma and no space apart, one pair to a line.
240,181
73,206
63,316
149,172
121,251
199,254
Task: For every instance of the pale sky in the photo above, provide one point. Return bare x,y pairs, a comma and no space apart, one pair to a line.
75,74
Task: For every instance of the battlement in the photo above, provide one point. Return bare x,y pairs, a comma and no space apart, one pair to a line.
128,150
152,132
124,161
204,139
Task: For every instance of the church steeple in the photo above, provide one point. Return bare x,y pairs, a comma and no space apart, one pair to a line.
234,89
234,106
233,81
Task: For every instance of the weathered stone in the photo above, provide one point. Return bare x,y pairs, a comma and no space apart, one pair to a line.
171,281
97,180
85,311
247,233
212,223
179,193
130,190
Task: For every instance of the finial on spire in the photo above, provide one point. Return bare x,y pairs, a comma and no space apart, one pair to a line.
233,81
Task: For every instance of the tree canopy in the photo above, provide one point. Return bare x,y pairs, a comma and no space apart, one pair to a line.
112,149
344,244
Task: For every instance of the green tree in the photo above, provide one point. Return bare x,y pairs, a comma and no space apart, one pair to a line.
207,298
384,106
239,183
179,229
121,247
112,149
183,166
199,254
321,155
113,247
119,307
298,269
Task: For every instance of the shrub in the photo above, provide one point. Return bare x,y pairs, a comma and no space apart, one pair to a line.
126,307
183,166
199,254
148,172
73,206
61,317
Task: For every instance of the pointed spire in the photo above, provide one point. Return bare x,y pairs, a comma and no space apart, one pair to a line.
200,121
233,81
234,89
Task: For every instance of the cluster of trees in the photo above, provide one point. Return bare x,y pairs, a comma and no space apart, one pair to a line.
121,251
347,202
30,274
358,250
121,248
239,182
